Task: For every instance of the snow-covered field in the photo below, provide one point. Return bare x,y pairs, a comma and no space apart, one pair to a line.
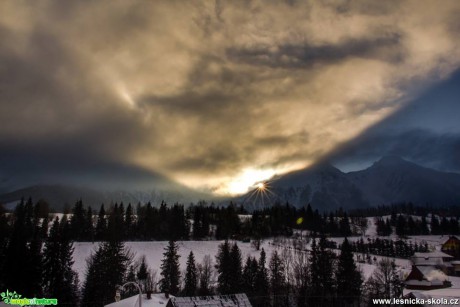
153,251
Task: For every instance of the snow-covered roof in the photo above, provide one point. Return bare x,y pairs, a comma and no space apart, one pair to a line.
157,300
435,254
233,300
432,273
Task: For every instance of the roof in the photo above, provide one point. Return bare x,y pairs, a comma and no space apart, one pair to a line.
233,300
157,300
435,254
431,273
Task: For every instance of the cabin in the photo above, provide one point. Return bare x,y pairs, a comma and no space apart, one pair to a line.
231,300
426,278
437,259
452,247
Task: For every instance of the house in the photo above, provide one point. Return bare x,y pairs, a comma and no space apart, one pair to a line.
452,247
436,258
426,278
156,300
232,300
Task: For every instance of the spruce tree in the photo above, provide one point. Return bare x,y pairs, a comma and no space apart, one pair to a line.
322,264
277,278
262,282
170,269
78,222
16,256
348,278
224,269
59,280
106,269
249,275
236,279
190,278
101,226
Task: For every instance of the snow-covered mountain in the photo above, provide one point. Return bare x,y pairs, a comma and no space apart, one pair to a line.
389,180
392,179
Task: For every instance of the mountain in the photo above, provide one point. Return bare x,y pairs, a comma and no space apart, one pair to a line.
392,179
389,180
322,185
60,196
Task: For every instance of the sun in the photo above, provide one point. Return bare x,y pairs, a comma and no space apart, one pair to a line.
248,179
260,186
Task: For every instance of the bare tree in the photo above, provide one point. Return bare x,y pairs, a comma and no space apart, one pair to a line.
205,273
384,282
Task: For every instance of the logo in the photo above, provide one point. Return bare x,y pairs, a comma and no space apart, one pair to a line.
13,298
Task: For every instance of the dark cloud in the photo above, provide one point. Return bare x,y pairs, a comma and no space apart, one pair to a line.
307,55
203,92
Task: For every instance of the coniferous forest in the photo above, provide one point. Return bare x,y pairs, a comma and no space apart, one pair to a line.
36,243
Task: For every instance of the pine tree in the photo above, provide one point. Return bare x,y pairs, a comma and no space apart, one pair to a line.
262,282
277,278
169,283
78,222
249,275
101,226
106,269
190,276
236,278
224,268
129,223
322,265
348,278
16,256
88,233
59,280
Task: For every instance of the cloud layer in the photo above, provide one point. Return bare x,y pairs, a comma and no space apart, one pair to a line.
202,91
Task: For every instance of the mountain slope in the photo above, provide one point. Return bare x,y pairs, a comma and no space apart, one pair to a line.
322,185
389,180
393,179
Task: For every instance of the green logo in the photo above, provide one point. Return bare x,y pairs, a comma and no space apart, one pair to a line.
13,298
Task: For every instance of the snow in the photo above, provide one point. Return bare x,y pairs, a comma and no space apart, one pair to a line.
157,300
153,251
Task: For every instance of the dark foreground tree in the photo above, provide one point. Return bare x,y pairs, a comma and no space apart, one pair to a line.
190,278
170,273
348,278
224,268
106,269
59,280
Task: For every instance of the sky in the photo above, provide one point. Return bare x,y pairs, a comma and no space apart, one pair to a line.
219,95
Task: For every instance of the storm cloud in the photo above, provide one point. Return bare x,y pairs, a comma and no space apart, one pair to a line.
202,92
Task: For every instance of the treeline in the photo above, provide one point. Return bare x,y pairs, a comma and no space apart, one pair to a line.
408,209
196,222
409,226
389,248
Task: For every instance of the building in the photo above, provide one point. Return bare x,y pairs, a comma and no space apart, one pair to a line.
436,258
232,300
452,247
426,278
156,300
